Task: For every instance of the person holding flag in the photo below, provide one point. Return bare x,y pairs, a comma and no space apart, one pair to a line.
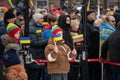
58,55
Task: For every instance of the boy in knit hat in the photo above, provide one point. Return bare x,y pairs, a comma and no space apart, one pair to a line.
11,59
58,55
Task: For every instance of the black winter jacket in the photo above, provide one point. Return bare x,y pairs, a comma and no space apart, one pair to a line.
37,41
112,45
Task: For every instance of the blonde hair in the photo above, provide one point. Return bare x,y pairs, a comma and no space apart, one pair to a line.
73,23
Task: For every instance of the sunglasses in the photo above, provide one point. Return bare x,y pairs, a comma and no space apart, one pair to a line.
112,21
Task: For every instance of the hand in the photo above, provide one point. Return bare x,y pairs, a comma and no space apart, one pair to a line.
55,48
74,51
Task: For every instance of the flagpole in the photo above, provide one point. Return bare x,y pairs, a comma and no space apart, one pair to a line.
98,10
26,17
85,75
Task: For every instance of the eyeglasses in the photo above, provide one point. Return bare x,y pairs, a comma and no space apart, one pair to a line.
113,21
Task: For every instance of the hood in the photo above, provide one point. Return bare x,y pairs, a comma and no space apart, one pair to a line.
9,43
48,26
62,22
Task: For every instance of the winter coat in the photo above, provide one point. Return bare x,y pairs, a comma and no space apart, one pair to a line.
112,44
2,31
60,64
11,59
47,31
92,39
37,41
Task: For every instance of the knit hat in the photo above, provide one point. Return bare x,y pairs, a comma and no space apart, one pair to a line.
37,17
89,12
12,29
55,29
9,15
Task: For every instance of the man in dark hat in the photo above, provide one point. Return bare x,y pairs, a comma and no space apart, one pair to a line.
92,42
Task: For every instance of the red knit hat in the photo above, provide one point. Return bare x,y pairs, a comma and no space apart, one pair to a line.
12,29
55,29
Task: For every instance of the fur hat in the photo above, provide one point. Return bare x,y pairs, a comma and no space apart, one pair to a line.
37,17
55,29
12,29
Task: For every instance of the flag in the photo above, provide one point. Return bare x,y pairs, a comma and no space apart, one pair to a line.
38,30
88,6
98,10
57,37
78,38
105,31
24,40
31,3
7,4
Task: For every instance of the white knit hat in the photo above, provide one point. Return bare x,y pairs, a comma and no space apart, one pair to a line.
37,17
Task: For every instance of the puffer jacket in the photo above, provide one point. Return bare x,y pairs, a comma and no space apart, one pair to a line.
37,41
61,63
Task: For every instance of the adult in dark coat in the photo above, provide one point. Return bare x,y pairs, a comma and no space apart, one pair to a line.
112,44
37,46
62,22
92,42
2,31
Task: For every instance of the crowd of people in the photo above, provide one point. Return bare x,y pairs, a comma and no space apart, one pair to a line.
55,37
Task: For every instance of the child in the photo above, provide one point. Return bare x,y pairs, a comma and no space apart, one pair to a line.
58,55
11,58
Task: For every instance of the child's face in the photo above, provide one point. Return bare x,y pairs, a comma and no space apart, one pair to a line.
17,35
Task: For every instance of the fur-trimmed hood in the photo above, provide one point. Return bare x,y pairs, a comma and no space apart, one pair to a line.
9,43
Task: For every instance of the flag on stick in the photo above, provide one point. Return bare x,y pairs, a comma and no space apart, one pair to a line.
88,6
24,40
78,38
7,4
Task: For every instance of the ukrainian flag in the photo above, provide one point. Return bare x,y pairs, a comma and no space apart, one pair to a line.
57,37
8,4
24,40
78,38
38,30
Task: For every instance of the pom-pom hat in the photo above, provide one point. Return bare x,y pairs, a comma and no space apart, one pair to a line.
12,29
55,29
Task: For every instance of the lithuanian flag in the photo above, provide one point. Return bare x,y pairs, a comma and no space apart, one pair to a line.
57,37
78,38
38,30
24,40
7,4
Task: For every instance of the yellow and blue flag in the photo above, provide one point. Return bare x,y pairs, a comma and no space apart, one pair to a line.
38,30
57,37
24,40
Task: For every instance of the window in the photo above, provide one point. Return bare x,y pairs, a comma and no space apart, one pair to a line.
42,3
